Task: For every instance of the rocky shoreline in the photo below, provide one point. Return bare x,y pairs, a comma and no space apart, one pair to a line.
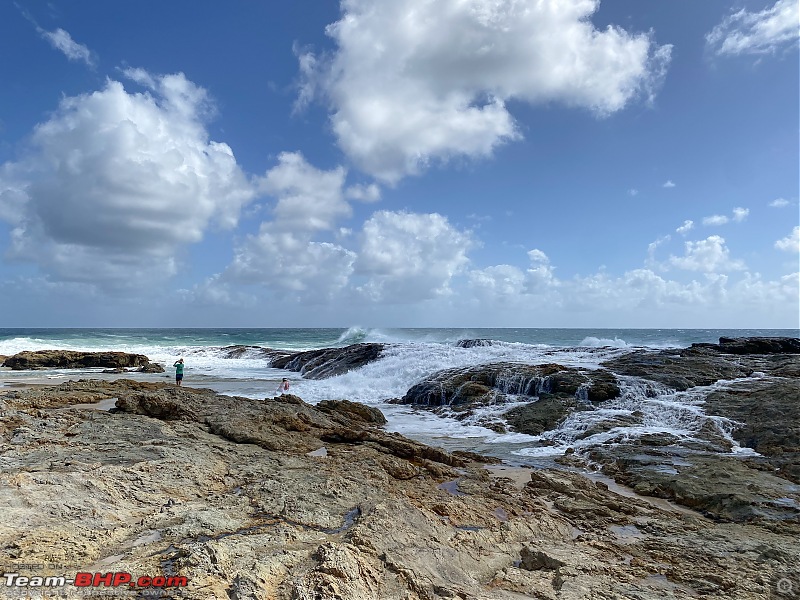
277,498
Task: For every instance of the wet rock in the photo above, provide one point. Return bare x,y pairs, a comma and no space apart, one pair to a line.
68,359
767,413
151,368
704,364
328,362
494,382
676,369
544,414
719,486
759,345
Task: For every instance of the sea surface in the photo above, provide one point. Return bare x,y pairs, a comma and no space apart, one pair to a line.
412,355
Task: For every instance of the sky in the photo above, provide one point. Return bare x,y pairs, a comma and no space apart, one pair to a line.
400,163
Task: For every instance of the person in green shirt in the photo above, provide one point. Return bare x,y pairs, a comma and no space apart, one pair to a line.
178,371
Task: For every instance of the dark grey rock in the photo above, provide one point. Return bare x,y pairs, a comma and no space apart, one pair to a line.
328,362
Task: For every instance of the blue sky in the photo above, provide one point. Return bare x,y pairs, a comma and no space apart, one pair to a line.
570,163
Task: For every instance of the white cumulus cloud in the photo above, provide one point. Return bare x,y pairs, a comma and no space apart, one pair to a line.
414,82
668,184
284,255
408,257
779,203
291,264
115,184
308,198
710,256
740,214
687,226
791,243
761,32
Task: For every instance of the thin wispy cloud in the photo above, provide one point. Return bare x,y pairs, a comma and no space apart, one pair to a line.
715,220
669,184
687,226
762,32
739,215
779,203
63,42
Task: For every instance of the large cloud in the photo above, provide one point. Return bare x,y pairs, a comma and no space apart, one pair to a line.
284,255
762,32
115,184
308,198
408,257
414,81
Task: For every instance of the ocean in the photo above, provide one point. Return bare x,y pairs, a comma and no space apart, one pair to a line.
412,355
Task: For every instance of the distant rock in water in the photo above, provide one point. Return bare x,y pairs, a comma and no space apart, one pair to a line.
240,351
755,345
490,383
704,364
328,362
473,343
68,359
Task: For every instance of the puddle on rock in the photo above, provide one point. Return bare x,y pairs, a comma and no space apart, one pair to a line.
626,534
106,404
451,487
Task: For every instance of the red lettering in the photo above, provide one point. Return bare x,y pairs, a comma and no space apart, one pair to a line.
83,579
106,579
143,582
159,581
177,582
121,578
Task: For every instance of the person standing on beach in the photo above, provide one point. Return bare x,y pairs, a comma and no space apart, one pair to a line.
178,371
283,387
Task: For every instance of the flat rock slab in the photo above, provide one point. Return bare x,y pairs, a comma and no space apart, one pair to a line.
68,359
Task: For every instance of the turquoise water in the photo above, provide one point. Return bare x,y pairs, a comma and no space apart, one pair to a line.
14,340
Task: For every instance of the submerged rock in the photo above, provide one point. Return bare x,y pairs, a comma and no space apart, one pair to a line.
474,343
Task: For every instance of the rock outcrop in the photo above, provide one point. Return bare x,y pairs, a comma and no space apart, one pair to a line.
328,362
759,410
704,364
69,359
279,499
492,383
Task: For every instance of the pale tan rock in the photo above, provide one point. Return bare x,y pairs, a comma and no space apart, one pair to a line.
221,491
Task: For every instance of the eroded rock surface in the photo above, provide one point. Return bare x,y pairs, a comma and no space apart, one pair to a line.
235,495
